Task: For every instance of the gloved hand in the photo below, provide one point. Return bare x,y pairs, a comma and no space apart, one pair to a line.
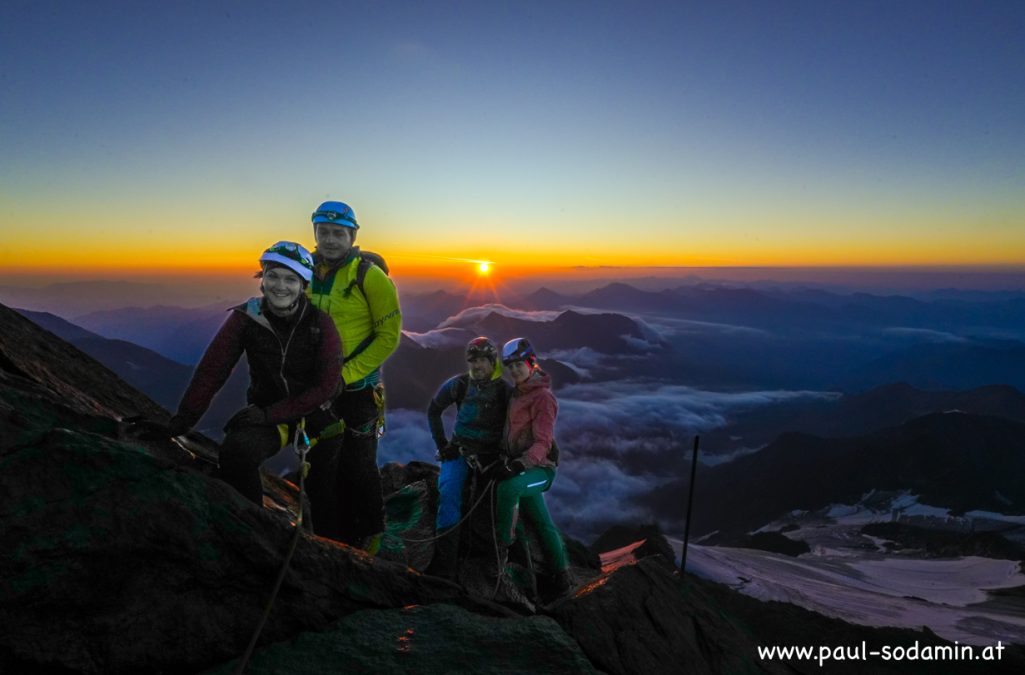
504,469
250,416
448,453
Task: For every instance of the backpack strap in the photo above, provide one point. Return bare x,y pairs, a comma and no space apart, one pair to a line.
361,273
462,384
367,259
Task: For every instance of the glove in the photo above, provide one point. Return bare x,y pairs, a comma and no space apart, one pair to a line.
250,416
449,452
178,427
504,469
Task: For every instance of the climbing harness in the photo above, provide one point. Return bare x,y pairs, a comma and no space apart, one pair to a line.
301,444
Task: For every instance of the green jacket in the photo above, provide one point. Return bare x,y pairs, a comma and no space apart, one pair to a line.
369,325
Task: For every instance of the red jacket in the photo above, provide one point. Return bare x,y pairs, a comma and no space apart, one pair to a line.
530,424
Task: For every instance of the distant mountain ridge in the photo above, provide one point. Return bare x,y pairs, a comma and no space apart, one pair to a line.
161,378
863,413
954,460
178,333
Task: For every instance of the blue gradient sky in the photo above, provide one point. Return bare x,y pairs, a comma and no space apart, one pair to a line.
584,133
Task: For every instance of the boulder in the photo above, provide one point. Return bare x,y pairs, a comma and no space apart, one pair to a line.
117,561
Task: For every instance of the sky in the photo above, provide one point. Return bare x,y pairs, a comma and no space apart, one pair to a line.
183,138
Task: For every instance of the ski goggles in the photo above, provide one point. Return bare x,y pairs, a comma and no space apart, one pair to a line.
294,252
336,217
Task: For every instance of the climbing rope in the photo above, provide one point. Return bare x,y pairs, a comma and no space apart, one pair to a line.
301,448
487,489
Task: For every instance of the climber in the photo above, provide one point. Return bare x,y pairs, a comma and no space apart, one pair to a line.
355,290
294,356
481,397
528,460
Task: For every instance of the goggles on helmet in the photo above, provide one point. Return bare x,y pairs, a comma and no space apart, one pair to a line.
518,349
336,217
291,255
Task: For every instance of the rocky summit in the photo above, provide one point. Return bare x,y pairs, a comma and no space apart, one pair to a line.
120,553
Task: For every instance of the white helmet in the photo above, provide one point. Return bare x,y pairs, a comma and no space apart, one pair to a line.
291,255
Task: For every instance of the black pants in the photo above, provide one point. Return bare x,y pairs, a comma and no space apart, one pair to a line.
242,452
245,448
358,478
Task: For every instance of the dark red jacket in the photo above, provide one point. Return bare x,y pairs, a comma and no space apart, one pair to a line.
292,370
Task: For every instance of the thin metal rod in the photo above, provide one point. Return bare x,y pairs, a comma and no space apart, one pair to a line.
690,505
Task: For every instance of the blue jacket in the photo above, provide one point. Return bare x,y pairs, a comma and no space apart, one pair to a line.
480,411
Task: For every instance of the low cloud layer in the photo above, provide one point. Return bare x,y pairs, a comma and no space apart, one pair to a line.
649,417
407,438
582,361
926,334
620,441
667,326
439,338
470,316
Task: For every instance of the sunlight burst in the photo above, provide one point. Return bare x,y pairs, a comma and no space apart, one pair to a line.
483,267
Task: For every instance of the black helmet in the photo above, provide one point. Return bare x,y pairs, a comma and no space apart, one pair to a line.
518,349
481,346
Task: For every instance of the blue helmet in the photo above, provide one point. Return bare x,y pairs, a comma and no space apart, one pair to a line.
335,213
518,349
291,255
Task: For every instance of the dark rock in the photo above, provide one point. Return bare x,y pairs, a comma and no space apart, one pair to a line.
947,544
424,640
32,354
774,542
118,561
638,619
395,476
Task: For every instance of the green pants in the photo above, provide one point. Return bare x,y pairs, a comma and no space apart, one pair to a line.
526,492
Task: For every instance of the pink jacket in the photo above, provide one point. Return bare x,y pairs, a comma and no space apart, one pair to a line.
530,424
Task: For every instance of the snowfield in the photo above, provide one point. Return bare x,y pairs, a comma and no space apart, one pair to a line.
852,576
948,596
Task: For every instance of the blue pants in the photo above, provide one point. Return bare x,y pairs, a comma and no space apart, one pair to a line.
450,492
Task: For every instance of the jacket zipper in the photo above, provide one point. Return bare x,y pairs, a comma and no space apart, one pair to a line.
284,349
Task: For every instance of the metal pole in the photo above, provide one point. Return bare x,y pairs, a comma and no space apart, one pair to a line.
690,505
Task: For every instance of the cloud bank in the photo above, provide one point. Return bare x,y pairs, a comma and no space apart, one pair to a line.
472,315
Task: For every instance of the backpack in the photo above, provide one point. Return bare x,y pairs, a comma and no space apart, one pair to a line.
366,260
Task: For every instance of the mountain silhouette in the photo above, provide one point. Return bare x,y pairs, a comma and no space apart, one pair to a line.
953,460
606,332
160,378
958,365
178,333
